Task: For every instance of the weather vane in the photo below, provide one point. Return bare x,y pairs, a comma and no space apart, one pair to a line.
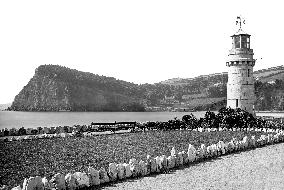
240,21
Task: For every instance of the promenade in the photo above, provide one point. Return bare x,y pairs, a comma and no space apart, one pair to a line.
262,168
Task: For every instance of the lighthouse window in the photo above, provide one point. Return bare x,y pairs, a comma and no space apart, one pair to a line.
244,42
248,72
237,41
248,46
237,103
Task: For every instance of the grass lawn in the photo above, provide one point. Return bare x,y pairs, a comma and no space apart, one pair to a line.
46,157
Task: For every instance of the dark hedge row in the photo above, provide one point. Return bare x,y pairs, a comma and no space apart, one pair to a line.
226,118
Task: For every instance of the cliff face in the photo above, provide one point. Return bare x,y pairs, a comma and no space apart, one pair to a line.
56,88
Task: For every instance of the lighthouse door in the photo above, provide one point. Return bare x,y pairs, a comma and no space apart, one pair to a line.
237,103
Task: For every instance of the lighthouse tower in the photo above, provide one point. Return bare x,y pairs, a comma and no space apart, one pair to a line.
240,86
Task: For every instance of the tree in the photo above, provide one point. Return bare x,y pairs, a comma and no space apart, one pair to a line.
6,132
210,119
22,131
34,132
39,129
191,121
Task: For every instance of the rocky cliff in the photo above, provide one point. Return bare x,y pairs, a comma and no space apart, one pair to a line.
57,88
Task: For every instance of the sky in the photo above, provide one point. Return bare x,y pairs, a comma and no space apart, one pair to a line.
137,41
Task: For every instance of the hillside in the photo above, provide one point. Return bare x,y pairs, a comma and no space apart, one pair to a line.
270,95
216,77
212,87
270,74
264,75
57,88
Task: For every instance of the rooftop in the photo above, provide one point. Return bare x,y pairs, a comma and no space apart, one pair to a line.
240,32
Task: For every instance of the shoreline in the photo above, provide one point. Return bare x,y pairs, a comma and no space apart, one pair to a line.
18,119
64,111
269,112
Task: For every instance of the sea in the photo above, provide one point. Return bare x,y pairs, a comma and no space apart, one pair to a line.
17,119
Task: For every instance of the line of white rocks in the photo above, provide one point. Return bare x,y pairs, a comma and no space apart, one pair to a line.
89,134
58,135
160,164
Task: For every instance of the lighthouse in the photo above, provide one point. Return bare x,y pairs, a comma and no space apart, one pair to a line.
240,63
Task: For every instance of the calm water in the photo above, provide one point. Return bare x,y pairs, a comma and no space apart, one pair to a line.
10,119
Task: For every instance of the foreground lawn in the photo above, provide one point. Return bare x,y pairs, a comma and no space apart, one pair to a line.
46,157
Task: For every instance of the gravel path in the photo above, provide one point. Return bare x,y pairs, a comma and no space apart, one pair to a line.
262,168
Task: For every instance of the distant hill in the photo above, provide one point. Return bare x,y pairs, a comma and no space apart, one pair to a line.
269,88
270,95
216,77
264,75
57,88
270,74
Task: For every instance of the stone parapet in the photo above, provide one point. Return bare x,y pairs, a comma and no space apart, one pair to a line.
240,62
239,51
